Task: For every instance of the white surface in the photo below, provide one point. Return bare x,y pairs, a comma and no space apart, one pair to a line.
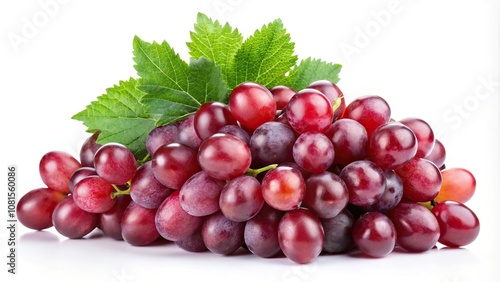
427,59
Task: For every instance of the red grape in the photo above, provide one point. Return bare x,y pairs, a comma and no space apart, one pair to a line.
56,168
301,236
71,221
252,104
309,110
283,188
174,163
371,111
35,208
211,117
458,224
374,234
224,156
115,163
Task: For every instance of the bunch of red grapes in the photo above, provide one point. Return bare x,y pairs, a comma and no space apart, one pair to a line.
275,171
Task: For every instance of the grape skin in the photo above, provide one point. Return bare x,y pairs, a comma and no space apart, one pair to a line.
174,163
199,196
374,234
115,163
221,235
35,208
313,151
224,156
56,168
173,223
138,225
283,188
417,228
110,221
326,194
71,221
146,190
459,225
365,182
272,143
93,194
301,236
338,232
241,198
309,110
261,232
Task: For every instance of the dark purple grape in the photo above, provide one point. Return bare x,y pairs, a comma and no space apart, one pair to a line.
159,136
272,143
110,221
221,235
193,243
338,233
261,232
88,149
186,133
236,131
393,193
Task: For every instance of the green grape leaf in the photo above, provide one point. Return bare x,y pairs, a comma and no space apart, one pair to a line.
215,42
265,57
120,117
165,79
310,70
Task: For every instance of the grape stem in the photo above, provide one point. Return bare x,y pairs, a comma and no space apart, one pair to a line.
145,159
337,103
119,192
255,172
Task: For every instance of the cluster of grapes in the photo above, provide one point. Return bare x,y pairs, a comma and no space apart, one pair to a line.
274,171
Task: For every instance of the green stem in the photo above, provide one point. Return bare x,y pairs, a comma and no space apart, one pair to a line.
255,172
119,192
145,159
337,103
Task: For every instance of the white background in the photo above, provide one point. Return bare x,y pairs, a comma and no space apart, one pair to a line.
437,60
